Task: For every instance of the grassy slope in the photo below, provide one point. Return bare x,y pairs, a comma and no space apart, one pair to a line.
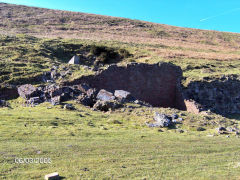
85,144
110,150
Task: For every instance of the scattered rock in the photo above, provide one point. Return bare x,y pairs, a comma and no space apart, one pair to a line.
200,129
116,122
104,95
56,100
174,116
52,176
27,91
69,107
106,105
180,131
54,75
83,87
122,95
161,120
34,101
221,129
85,100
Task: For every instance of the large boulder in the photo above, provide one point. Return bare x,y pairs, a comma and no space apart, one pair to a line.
106,105
85,100
86,89
56,100
161,120
27,91
104,95
123,95
54,90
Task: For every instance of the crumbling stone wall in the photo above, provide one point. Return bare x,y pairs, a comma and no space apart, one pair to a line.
157,84
221,96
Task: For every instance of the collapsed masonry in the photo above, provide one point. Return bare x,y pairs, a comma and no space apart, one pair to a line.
156,84
221,96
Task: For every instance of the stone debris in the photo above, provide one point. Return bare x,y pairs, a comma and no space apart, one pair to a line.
122,95
34,101
104,95
174,116
221,129
68,107
83,94
55,74
85,100
56,100
83,87
161,120
52,176
219,95
106,105
27,91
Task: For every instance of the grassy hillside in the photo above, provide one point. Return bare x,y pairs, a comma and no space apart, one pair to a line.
83,144
24,58
87,144
200,53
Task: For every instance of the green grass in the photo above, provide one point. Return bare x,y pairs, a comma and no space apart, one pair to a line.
24,58
86,144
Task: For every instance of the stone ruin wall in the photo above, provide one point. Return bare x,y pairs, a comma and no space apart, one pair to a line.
221,95
160,86
157,84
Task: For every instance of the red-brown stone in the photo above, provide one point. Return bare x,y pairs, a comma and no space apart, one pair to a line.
157,84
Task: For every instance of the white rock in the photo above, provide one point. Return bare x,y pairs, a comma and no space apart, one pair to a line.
52,176
74,60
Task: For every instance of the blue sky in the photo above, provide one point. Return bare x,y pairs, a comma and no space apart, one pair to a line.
221,15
